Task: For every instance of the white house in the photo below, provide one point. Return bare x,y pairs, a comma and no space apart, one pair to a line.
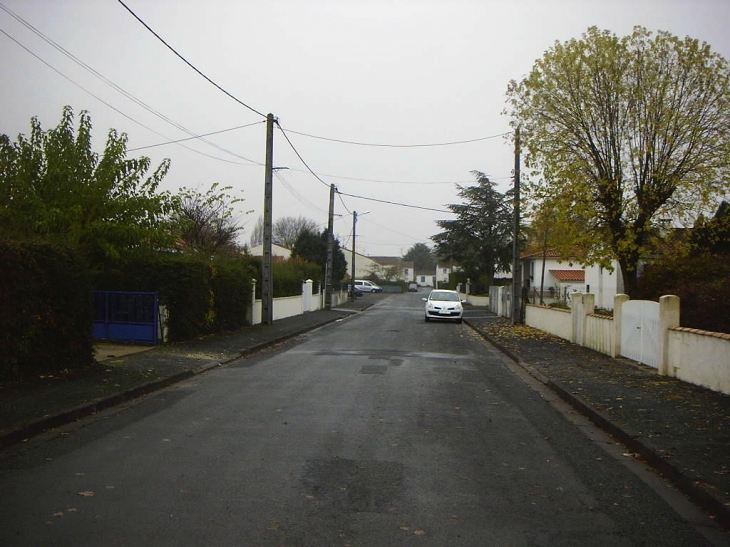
605,284
557,276
276,251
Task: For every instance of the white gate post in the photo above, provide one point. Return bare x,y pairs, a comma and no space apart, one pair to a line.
252,305
668,319
618,304
307,295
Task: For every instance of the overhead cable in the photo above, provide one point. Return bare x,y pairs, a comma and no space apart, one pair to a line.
399,145
395,203
197,137
239,101
300,156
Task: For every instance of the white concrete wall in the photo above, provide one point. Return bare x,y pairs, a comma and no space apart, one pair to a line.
691,355
700,357
555,321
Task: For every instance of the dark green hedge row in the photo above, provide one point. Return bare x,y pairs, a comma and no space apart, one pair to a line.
289,275
201,297
45,310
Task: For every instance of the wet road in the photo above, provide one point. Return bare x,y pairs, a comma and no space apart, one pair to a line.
379,430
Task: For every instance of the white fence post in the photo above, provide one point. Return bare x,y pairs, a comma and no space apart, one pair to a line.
252,304
668,319
307,295
618,303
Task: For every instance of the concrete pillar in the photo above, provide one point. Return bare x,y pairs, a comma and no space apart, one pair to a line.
252,304
618,304
668,319
307,295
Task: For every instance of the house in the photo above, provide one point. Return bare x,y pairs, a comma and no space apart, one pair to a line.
605,283
364,265
393,268
550,273
278,253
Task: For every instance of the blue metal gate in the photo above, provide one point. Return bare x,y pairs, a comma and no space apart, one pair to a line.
126,316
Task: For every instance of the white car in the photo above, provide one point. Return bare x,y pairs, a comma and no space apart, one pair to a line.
367,286
443,304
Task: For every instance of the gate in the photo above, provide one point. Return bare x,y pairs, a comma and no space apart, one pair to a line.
640,331
126,316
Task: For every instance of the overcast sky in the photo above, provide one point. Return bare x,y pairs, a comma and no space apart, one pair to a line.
367,71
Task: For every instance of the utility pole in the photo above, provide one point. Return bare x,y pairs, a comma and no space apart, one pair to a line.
352,269
330,251
267,281
516,266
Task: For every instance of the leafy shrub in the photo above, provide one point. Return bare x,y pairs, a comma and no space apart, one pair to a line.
45,310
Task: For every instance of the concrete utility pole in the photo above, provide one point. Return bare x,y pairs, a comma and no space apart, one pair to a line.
352,266
516,266
267,277
330,251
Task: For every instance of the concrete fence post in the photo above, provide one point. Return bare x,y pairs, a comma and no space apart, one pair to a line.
589,306
618,304
252,304
668,319
307,295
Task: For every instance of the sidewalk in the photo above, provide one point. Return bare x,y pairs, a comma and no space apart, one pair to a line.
29,408
681,430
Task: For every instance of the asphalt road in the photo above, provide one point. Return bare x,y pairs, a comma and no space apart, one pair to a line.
379,430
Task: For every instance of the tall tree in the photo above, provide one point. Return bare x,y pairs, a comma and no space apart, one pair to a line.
257,233
622,132
421,256
286,230
207,223
56,188
479,238
312,247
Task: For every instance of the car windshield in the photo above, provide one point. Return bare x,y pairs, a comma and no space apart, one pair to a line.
444,296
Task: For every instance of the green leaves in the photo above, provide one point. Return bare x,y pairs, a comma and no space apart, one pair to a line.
622,132
480,237
57,189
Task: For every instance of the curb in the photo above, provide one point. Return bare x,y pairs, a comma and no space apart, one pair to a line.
46,423
689,486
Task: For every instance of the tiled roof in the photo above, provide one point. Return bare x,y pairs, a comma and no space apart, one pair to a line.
569,275
550,253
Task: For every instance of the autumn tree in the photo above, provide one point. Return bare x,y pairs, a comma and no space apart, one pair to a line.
622,132
55,188
479,239
206,222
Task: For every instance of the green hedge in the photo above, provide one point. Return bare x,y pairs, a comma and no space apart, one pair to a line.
289,276
45,310
202,297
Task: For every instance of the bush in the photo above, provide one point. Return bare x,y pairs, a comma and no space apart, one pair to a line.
45,310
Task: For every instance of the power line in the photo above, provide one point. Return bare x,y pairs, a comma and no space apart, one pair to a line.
395,203
189,63
299,155
196,137
381,145
130,118
118,88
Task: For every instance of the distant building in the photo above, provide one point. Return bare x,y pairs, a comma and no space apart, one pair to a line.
278,253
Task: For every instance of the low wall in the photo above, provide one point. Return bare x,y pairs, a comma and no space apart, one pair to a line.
555,321
700,357
600,334
476,300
